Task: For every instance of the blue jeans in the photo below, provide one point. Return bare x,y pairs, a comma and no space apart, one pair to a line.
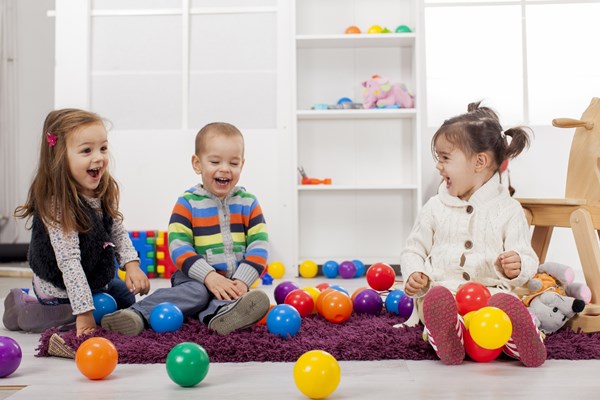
116,288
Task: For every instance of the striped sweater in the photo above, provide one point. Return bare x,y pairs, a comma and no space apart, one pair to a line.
229,236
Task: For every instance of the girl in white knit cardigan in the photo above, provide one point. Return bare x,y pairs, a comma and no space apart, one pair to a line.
472,231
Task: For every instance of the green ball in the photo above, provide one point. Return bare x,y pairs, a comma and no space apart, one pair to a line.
187,364
403,29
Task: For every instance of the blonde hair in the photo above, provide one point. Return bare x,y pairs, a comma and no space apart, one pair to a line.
219,128
53,192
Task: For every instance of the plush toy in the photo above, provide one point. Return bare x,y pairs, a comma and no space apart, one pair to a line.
554,298
379,92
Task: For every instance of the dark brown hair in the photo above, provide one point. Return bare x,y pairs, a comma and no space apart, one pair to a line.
479,131
54,192
220,128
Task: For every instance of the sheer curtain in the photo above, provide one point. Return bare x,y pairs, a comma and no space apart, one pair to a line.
8,118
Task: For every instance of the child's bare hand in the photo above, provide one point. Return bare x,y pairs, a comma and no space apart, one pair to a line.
136,280
416,281
221,287
241,286
510,264
85,323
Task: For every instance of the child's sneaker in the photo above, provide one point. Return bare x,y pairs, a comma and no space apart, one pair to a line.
526,343
126,322
443,325
242,313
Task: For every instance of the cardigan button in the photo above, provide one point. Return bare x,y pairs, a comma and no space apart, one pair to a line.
468,244
469,209
466,276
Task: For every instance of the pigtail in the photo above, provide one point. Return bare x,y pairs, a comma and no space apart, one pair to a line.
520,140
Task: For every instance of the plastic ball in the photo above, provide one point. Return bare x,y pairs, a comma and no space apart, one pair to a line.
369,302
392,299
403,29
339,289
381,276
405,306
308,269
375,29
478,353
282,290
357,291
276,269
471,297
284,320
10,356
121,274
322,286
187,364
360,268
96,358
104,304
336,307
352,30
317,374
330,269
321,297
343,100
347,269
263,321
301,301
314,293
490,328
467,318
166,317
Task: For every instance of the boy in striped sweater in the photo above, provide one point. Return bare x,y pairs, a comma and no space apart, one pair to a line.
218,240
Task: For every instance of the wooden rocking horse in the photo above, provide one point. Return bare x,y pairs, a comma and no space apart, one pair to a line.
579,210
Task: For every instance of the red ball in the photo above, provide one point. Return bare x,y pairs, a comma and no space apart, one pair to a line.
471,297
478,353
380,276
336,307
322,286
301,300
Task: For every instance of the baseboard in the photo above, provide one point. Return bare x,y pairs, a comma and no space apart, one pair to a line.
13,252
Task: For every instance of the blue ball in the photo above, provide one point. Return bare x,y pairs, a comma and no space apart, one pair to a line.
104,304
360,268
166,317
339,289
283,320
392,300
330,269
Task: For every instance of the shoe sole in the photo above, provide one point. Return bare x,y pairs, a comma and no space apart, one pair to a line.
525,336
250,309
440,316
58,348
123,322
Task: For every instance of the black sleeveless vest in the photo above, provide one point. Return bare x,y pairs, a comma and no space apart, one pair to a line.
97,251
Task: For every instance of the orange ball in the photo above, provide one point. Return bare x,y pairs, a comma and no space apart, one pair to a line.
321,297
357,291
337,307
263,321
96,358
352,29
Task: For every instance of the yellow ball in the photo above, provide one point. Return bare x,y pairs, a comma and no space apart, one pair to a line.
375,29
122,274
317,374
314,293
467,318
490,328
308,269
276,269
255,284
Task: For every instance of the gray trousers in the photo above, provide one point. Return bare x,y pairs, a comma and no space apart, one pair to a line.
191,296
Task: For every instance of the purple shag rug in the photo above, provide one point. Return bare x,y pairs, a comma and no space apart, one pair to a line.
362,337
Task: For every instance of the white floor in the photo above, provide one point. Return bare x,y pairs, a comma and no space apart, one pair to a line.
55,378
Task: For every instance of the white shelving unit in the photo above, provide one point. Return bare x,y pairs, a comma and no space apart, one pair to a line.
371,155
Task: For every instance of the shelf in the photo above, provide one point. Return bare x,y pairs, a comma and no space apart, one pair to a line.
385,113
330,188
363,40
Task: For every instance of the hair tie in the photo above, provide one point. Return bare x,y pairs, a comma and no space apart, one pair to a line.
51,139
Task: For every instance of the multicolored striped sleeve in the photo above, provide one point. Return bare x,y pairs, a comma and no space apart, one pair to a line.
254,263
181,242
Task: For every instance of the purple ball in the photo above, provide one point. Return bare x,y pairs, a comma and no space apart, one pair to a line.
10,356
405,306
347,269
282,290
368,301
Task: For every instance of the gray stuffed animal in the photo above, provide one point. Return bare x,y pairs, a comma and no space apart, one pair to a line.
554,298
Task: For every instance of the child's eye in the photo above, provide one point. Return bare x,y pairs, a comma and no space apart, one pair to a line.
86,150
104,148
214,162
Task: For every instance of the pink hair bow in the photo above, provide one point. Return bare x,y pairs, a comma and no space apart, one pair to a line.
51,139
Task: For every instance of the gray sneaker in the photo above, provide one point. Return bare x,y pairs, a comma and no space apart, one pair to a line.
242,313
126,322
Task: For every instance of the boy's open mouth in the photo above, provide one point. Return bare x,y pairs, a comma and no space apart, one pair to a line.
222,181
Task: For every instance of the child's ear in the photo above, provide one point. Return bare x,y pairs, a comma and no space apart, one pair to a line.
482,161
196,164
